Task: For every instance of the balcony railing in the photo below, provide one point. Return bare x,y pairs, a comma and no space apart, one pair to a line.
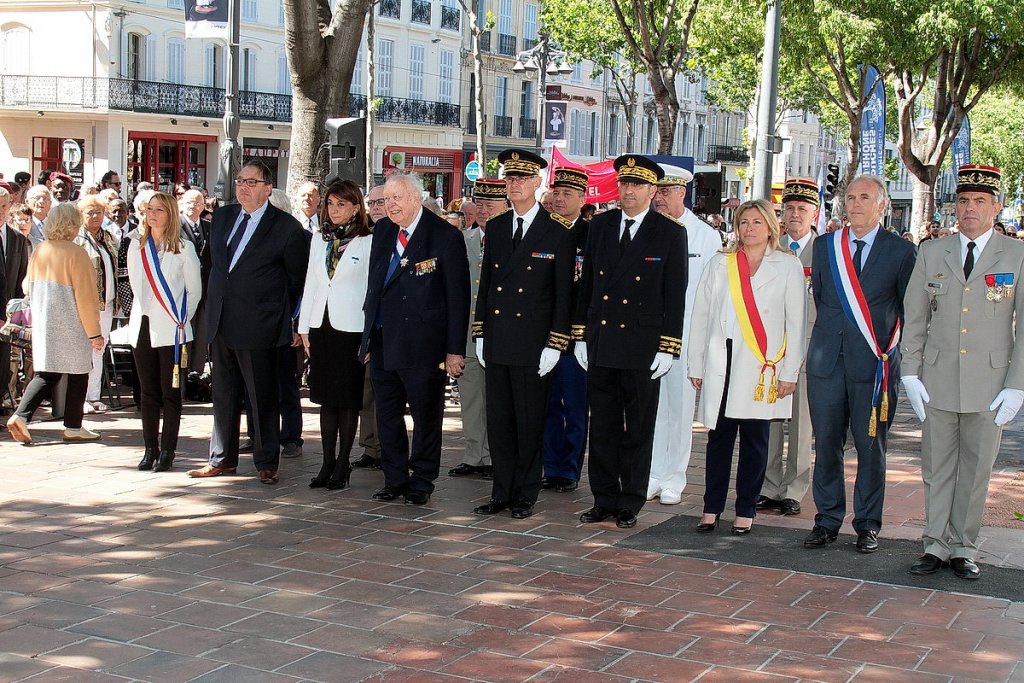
451,18
485,41
401,110
728,154
121,94
506,45
421,11
503,126
527,128
390,8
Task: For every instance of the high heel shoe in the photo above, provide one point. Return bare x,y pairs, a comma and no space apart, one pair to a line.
707,527
318,482
339,483
165,461
149,458
742,530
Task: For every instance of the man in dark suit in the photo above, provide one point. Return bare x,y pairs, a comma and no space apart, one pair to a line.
416,315
520,329
630,312
842,363
258,256
197,231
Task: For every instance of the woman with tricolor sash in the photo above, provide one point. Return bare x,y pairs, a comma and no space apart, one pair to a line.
163,270
746,348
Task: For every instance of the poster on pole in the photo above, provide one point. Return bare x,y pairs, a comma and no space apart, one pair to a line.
206,18
556,124
872,124
962,146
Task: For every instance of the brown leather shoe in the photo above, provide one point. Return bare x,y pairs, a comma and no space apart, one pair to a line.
210,471
269,477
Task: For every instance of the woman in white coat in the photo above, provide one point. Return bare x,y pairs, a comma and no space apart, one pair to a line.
163,271
331,324
746,347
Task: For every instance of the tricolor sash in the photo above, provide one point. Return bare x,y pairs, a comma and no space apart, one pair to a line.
749,320
855,305
163,295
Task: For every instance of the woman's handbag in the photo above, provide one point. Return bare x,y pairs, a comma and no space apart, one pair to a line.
17,331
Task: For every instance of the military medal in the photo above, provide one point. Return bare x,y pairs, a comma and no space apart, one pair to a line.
993,288
403,262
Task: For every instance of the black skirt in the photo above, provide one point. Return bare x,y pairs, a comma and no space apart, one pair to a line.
335,373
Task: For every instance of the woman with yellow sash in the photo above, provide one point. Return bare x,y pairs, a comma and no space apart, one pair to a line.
746,348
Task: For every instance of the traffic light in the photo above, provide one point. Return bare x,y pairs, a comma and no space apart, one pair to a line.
831,181
707,193
347,138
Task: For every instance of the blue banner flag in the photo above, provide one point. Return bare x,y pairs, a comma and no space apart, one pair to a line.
872,124
962,146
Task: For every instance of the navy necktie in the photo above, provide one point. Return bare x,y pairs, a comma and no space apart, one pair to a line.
236,239
857,255
518,236
626,237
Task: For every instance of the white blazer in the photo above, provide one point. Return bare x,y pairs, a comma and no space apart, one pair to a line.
181,271
342,295
781,295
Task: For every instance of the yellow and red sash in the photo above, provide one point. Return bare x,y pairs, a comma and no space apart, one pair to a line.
750,324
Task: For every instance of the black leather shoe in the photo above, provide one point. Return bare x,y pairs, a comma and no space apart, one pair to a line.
707,527
486,472
867,541
547,483
388,493
789,506
164,462
965,568
464,470
626,519
766,503
318,482
490,508
417,498
928,564
567,486
365,462
595,514
522,509
339,481
820,537
149,458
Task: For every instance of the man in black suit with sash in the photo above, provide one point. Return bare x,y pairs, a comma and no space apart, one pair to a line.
629,313
416,316
258,256
842,363
520,329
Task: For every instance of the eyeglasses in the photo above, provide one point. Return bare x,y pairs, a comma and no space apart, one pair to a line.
376,202
250,182
519,179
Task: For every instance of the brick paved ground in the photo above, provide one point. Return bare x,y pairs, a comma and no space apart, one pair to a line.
109,574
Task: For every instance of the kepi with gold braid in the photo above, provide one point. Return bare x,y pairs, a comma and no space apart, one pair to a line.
634,168
521,162
978,178
801,189
571,177
490,189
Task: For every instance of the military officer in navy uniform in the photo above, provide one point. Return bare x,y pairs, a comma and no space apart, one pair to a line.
520,329
630,313
565,432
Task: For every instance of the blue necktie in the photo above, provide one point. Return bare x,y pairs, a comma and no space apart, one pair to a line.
396,258
236,239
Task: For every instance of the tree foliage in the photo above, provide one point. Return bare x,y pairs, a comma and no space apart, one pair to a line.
997,136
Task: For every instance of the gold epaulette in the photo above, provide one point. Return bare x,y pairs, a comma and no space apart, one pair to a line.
671,345
563,221
579,332
558,341
671,218
499,215
478,329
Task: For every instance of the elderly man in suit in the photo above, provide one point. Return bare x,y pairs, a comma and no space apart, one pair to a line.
492,200
416,315
788,475
858,279
629,313
258,256
38,197
673,433
963,371
520,329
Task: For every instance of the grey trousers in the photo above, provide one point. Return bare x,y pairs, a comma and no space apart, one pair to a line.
474,414
789,470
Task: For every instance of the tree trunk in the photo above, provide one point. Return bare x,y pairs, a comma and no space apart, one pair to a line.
481,118
853,162
371,73
309,135
923,207
666,105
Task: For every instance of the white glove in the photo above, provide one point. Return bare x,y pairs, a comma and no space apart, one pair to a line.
916,394
1008,401
662,364
580,351
548,360
479,341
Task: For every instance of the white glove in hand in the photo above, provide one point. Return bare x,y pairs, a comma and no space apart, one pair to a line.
1008,402
580,351
479,341
916,394
662,364
548,361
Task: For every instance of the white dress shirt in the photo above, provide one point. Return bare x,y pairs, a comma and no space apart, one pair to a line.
979,245
527,218
637,220
254,220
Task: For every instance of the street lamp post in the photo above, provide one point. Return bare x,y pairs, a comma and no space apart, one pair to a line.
230,151
546,59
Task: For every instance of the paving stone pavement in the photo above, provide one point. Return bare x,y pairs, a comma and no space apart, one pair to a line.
110,574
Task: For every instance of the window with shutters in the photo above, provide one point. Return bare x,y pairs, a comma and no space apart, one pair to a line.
357,73
247,74
530,13
250,10
136,54
284,78
447,76
214,65
175,60
417,54
15,52
385,60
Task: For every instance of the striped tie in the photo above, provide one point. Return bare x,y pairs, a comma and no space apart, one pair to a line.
396,256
